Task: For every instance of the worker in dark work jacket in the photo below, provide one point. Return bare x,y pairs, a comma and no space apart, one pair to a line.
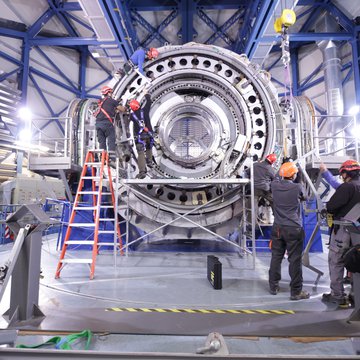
287,232
104,124
264,174
346,196
143,134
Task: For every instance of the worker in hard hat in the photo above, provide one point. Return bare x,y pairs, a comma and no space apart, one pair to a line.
137,60
143,133
287,233
264,174
104,122
346,196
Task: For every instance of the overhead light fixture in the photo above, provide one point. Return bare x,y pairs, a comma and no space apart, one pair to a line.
354,110
25,114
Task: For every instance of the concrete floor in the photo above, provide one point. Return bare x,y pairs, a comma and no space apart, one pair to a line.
177,280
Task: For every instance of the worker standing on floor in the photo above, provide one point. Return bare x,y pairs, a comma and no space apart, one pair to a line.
346,196
104,123
287,233
143,134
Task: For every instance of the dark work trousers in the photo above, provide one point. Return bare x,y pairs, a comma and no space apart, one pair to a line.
290,239
144,147
340,242
105,131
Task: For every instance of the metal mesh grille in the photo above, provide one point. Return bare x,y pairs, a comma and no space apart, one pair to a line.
189,138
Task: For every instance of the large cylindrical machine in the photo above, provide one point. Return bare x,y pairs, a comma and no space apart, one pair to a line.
213,112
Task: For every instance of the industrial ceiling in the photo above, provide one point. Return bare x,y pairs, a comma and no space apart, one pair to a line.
55,50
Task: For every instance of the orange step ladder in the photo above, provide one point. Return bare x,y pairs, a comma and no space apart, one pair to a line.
98,169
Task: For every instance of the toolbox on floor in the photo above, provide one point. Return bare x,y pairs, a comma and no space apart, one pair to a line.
214,272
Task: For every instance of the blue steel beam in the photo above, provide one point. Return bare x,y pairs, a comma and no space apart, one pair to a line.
342,19
24,73
264,16
217,30
68,41
10,58
6,75
171,17
35,28
53,80
82,73
158,5
314,16
12,33
187,10
125,16
303,37
223,28
113,19
82,23
40,92
58,70
245,29
63,19
147,26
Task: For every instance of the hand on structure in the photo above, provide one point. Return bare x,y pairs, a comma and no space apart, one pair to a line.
323,167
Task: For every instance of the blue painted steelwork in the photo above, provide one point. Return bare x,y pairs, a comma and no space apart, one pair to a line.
263,17
239,14
214,27
35,28
58,70
114,22
82,72
171,17
187,10
24,73
125,15
342,19
41,94
314,16
6,75
245,30
147,26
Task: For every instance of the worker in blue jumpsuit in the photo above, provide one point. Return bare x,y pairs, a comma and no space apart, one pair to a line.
137,60
143,134
346,196
287,233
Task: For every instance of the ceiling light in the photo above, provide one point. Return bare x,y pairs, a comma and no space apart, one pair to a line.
25,114
354,110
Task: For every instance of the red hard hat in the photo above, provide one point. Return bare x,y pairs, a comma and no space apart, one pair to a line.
106,89
349,165
134,105
153,53
288,169
271,158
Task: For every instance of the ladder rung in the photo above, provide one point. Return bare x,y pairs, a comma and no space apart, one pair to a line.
106,219
85,208
82,225
91,177
79,242
107,244
76,261
93,193
106,206
106,231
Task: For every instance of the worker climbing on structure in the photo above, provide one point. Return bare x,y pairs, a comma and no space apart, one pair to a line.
136,62
143,134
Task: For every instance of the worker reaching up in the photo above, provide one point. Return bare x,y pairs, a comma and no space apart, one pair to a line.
104,122
346,196
287,233
143,133
137,60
